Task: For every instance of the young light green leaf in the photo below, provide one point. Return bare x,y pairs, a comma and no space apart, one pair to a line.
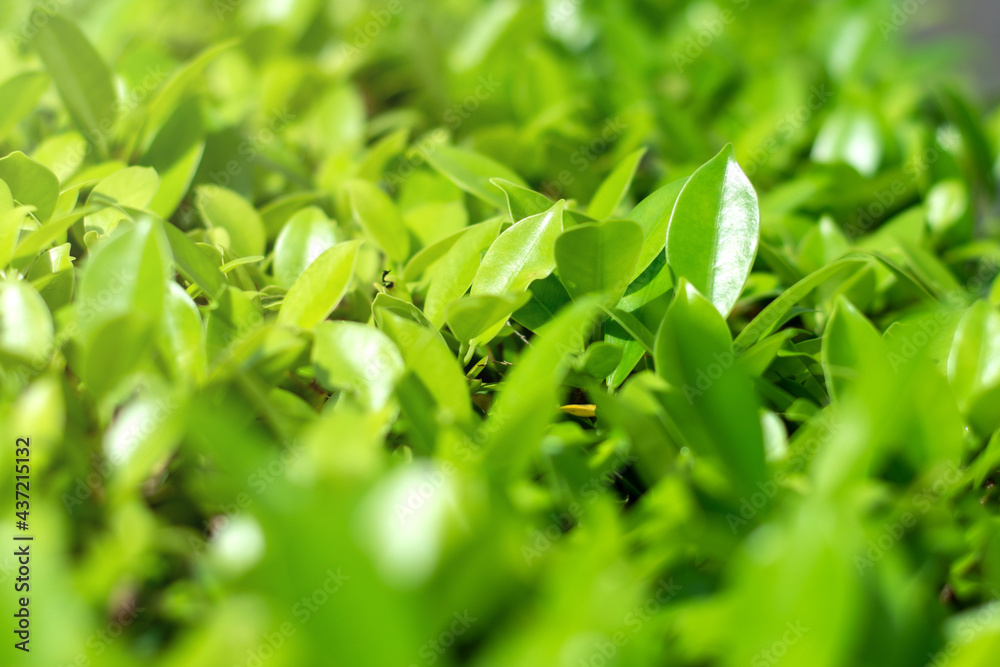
853,354
473,172
714,230
303,238
26,328
474,316
974,366
224,208
615,186
773,315
132,187
193,264
521,201
712,399
520,255
175,155
82,77
379,218
452,275
20,94
653,215
428,358
321,286
518,418
30,184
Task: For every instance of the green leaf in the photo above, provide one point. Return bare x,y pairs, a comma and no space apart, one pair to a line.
41,238
180,338
20,94
194,264
81,76
303,238
774,314
26,328
132,187
517,420
356,358
429,359
120,302
712,399
473,173
974,366
178,88
225,209
522,202
474,316
30,183
615,187
175,155
714,230
851,136
598,257
653,215
854,356
379,218
321,286
520,255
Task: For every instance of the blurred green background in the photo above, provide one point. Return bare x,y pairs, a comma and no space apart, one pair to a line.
223,519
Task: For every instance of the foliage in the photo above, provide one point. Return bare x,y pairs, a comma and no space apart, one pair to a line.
498,333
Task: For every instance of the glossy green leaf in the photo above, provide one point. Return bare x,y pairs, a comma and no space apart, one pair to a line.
520,255
473,316
305,236
711,396
522,202
315,293
26,328
175,154
714,230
